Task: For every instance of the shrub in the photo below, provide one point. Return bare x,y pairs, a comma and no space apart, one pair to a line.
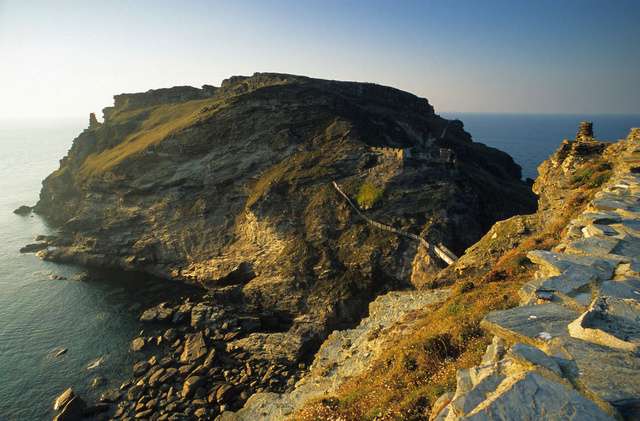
370,195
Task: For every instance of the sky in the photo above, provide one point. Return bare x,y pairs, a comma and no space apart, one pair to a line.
64,59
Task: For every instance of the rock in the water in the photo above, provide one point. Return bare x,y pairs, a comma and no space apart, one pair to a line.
149,315
33,248
99,381
113,395
140,368
137,344
72,411
23,210
194,348
60,352
82,277
63,399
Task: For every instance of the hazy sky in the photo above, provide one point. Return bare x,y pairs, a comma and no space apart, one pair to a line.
62,59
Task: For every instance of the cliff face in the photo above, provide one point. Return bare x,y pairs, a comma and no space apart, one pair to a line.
231,188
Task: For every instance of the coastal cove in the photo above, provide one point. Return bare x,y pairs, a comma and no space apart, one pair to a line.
97,319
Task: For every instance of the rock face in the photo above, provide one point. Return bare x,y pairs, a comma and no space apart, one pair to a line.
574,339
231,187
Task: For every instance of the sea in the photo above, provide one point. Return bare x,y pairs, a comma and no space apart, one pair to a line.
44,310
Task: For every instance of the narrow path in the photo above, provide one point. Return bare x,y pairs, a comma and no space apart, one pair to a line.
444,132
441,251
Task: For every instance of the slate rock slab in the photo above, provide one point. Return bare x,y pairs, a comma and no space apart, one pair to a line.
609,374
557,263
531,396
602,218
623,289
595,246
571,280
610,321
533,325
531,356
194,348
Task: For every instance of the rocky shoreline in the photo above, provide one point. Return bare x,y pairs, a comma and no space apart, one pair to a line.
200,368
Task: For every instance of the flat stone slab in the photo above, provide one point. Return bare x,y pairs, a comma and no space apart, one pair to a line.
603,218
608,373
528,356
533,325
611,203
530,396
627,288
598,229
628,226
570,280
596,245
557,263
610,321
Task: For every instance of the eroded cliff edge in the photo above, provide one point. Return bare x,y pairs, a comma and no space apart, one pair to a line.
231,188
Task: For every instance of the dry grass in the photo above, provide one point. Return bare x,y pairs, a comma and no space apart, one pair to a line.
419,365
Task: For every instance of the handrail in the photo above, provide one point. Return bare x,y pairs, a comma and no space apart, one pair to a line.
441,251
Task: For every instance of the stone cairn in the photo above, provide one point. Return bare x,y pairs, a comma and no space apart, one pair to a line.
585,131
571,350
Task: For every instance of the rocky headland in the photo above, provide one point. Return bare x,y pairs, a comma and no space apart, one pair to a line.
231,188
295,202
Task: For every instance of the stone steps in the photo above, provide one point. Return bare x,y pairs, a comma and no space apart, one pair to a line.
572,349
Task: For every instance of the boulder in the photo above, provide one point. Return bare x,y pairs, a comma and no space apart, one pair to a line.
140,368
194,348
72,411
225,393
63,399
137,344
96,409
191,385
607,373
135,392
171,335
113,395
532,357
155,379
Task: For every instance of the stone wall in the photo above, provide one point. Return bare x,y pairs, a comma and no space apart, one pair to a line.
572,349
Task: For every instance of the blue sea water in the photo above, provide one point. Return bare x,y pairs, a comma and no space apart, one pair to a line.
97,319
93,320
531,138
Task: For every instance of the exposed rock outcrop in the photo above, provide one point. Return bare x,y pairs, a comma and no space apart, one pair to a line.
230,187
572,345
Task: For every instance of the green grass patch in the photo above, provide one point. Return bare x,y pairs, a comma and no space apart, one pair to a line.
370,195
